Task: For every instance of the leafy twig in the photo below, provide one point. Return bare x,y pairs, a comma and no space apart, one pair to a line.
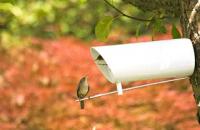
123,14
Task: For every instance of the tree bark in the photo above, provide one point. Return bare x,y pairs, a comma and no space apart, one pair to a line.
190,30
195,79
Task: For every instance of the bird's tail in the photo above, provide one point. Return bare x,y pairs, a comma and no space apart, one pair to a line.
82,104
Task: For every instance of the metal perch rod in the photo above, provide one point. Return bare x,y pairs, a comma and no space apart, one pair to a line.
131,88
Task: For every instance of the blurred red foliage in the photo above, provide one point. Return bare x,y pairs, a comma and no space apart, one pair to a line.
38,92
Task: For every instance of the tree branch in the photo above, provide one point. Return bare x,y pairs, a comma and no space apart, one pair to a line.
123,14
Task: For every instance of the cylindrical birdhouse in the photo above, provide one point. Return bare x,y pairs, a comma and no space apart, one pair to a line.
146,60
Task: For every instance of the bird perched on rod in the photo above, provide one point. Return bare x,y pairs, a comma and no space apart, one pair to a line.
82,90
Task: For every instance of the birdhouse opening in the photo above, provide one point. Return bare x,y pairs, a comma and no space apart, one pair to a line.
102,65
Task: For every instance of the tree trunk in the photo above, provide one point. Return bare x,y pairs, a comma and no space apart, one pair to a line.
195,79
189,33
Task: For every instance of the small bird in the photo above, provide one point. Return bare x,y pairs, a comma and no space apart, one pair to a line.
82,90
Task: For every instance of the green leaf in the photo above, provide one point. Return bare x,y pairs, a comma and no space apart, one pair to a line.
159,26
175,32
5,6
149,23
137,33
163,29
103,27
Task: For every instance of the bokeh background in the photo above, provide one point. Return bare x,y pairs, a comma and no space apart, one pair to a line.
45,50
